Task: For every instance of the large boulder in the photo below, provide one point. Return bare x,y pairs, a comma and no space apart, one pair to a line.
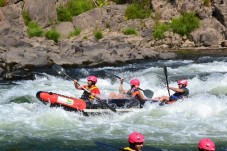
100,18
2,16
12,14
64,28
210,33
26,56
11,27
41,11
90,20
207,37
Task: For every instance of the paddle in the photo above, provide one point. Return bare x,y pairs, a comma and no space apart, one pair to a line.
148,93
166,75
61,71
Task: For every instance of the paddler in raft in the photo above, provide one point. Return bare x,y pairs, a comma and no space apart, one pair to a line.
181,92
93,91
133,93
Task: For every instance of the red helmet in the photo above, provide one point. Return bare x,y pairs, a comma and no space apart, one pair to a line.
183,82
136,137
206,144
92,78
135,82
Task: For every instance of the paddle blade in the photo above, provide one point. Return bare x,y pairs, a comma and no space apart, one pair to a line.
148,93
113,80
58,69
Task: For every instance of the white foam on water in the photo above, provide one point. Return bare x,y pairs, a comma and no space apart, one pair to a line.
203,114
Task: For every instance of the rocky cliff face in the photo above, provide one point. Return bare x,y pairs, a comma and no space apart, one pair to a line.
19,54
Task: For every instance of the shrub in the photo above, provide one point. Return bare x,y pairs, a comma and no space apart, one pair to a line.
101,3
129,31
136,10
85,37
98,35
158,16
34,30
76,32
185,24
26,16
2,3
52,34
120,1
159,30
206,2
142,2
63,14
77,7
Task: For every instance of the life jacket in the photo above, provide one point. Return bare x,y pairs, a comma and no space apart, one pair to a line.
179,95
134,93
126,149
86,95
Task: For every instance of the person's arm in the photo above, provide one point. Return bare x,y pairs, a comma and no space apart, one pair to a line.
121,90
176,89
77,86
141,96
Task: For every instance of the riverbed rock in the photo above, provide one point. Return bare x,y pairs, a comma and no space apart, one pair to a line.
42,11
64,28
224,43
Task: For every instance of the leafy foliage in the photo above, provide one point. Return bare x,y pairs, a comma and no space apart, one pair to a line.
26,16
120,1
2,3
34,30
101,3
63,14
137,10
185,24
76,32
52,34
98,35
77,7
73,8
159,30
129,31
207,2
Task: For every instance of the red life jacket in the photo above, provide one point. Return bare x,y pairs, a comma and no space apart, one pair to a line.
86,95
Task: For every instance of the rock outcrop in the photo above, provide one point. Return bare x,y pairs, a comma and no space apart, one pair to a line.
20,54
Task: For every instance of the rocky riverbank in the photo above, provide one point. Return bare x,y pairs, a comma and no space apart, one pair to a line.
20,55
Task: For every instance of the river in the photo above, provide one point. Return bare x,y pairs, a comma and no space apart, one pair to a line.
26,124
